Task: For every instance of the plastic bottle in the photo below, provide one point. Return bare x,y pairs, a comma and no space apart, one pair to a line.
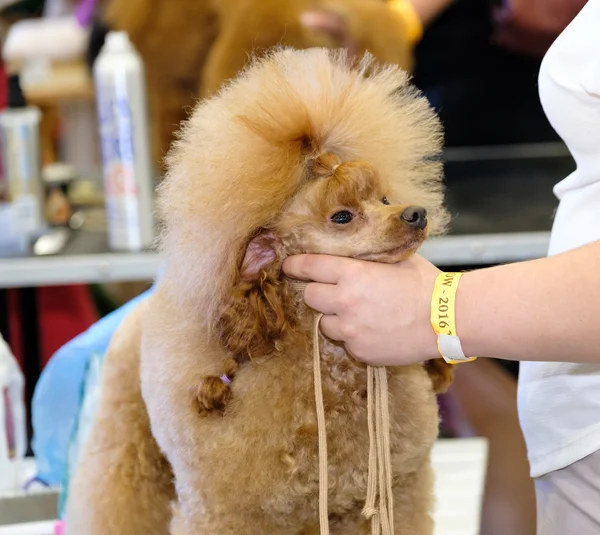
123,119
13,433
19,129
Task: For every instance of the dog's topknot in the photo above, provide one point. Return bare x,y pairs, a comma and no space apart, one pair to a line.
244,153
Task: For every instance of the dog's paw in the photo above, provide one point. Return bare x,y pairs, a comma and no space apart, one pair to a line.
441,374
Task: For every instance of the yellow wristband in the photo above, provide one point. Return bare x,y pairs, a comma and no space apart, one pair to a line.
410,17
443,318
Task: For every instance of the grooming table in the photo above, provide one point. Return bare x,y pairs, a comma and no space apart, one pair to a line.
459,465
500,198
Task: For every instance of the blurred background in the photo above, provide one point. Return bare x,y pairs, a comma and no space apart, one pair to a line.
91,93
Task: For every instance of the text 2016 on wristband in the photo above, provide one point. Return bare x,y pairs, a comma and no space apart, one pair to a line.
443,318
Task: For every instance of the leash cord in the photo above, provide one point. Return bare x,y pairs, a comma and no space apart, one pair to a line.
379,479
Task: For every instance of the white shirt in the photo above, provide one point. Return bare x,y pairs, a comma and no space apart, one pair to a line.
559,404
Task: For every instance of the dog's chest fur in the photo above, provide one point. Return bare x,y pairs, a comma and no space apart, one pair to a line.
273,414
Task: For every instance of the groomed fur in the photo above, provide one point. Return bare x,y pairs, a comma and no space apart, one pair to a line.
252,140
290,130
259,309
124,485
254,177
254,318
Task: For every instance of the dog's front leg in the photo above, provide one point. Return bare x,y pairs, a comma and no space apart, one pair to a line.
123,484
238,523
215,487
413,503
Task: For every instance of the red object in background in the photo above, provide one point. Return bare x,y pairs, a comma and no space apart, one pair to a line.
63,313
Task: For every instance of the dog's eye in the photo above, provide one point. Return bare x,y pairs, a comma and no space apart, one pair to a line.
385,200
342,218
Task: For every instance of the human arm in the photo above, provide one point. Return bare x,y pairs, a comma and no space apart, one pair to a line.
340,20
530,26
544,310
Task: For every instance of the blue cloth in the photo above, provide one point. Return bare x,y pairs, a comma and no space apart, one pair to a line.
58,393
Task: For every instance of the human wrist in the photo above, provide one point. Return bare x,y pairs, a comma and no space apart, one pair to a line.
428,349
469,323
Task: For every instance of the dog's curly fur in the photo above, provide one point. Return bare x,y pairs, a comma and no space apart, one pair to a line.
256,175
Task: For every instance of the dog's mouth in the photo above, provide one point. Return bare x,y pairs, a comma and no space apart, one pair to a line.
394,254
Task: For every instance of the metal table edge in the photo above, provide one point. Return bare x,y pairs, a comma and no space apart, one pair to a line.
472,250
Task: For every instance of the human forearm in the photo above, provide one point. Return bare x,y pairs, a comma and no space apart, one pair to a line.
544,310
540,310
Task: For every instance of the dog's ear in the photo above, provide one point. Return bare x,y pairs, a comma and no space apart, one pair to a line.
254,315
441,374
260,255
252,318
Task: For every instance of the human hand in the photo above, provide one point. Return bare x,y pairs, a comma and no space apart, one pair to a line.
380,311
530,26
361,26
332,24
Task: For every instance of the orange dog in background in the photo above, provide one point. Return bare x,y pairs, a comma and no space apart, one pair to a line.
190,47
207,420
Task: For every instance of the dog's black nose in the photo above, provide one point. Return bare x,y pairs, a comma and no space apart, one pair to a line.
415,216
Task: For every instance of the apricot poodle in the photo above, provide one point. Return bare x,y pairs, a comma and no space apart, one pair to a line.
207,420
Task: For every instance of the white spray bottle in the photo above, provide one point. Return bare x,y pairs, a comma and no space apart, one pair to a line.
123,117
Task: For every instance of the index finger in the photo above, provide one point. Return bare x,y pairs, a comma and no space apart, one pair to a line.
315,267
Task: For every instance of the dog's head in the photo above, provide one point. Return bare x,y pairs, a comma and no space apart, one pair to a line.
304,152
347,209
343,209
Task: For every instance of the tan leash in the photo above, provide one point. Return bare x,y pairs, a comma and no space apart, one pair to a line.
379,479
323,469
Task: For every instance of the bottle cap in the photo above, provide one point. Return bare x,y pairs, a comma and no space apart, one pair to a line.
117,42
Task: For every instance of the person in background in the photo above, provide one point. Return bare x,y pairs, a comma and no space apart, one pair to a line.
542,311
477,62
